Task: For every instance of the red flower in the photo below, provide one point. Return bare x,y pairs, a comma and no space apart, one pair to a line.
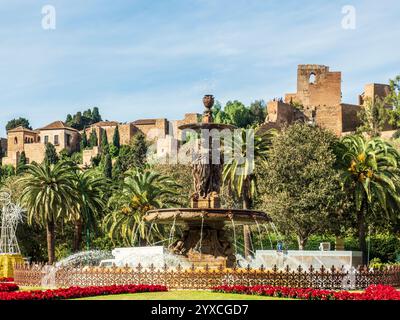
8,287
374,292
79,292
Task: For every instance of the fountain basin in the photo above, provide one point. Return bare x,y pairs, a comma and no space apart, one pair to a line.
216,217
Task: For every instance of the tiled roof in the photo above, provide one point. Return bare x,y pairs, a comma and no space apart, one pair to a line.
106,124
21,129
144,121
56,125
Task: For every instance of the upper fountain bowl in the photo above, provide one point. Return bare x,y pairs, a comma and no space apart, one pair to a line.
211,216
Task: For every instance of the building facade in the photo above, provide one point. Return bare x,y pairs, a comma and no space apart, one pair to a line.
319,100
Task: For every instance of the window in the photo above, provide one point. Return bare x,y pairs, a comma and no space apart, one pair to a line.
56,140
46,139
68,139
312,78
15,140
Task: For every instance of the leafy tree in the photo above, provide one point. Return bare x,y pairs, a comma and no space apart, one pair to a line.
104,142
393,99
141,191
238,173
84,142
131,156
258,112
64,155
373,116
6,171
80,121
96,117
87,114
139,147
69,119
14,123
50,156
299,185
237,114
93,141
22,161
107,166
116,138
48,194
113,151
91,189
370,173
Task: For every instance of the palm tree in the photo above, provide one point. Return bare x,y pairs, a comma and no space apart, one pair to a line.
238,172
48,194
371,175
91,189
141,191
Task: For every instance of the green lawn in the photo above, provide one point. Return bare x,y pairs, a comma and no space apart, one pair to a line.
181,295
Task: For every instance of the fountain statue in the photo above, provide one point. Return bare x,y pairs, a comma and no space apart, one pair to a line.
204,240
10,253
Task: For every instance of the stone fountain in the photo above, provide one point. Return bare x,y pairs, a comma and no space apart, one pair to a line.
204,240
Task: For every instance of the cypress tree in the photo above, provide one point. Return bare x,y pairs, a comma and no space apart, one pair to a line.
96,117
107,170
21,161
51,156
104,141
93,142
116,141
84,141
139,150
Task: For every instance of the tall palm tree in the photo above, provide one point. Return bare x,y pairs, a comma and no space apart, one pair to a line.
91,188
370,172
141,191
238,172
48,194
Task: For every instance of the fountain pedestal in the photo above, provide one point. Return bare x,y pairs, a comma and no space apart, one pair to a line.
205,246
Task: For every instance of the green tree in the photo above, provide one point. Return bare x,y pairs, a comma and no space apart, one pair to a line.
93,141
239,174
139,147
370,173
104,142
373,116
91,189
393,99
258,112
107,170
96,117
18,122
21,162
50,156
116,138
48,194
131,156
84,141
237,114
299,186
141,191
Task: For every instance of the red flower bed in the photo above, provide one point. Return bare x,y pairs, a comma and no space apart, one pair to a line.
8,287
374,292
79,292
6,279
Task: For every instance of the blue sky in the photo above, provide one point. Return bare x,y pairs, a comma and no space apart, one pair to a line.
156,58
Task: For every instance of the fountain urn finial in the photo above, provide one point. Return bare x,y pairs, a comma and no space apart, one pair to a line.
208,101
